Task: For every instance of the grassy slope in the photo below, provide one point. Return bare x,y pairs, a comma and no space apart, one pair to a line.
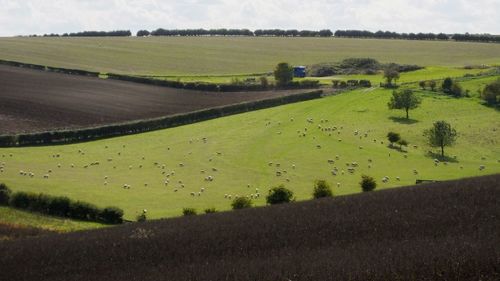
232,55
247,145
27,219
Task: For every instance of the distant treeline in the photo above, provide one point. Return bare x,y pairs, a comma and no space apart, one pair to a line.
286,33
416,36
114,33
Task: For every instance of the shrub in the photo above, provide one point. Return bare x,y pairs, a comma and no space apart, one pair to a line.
283,74
446,85
83,211
322,189
241,203
491,93
278,195
111,215
210,210
393,137
57,206
4,194
422,84
264,82
21,200
367,183
365,83
189,211
142,217
432,85
456,90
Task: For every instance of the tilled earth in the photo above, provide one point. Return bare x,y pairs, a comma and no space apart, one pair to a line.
35,101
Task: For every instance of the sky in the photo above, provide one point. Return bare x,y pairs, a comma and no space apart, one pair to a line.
24,17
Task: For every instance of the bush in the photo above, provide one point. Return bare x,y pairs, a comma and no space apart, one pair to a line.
456,90
58,206
189,211
111,215
368,183
446,85
365,83
278,195
322,189
4,194
491,93
283,74
142,217
210,210
83,211
393,137
264,82
21,200
241,203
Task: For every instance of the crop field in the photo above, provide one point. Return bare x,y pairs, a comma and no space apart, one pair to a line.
188,56
167,170
32,100
442,231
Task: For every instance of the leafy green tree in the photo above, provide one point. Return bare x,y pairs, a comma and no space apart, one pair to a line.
441,135
283,74
278,195
405,99
322,189
491,93
393,137
432,85
241,203
4,194
446,85
368,183
422,84
391,74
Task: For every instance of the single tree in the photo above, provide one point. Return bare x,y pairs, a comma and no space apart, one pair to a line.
432,85
283,74
241,203
367,183
322,189
405,99
441,135
422,84
446,86
391,74
491,93
278,195
393,137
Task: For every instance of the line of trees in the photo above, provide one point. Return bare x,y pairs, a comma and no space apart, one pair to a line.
286,33
416,36
114,33
236,32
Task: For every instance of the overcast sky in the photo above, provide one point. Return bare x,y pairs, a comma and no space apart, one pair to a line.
23,17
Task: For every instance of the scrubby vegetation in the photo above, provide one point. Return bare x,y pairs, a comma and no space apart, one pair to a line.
356,66
241,203
368,183
279,195
322,189
491,93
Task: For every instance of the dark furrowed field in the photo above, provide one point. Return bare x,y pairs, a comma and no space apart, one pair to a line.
442,231
9,232
32,100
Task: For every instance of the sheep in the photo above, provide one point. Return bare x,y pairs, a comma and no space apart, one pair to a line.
49,171
337,157
278,174
340,140
370,160
165,183
214,169
181,164
369,166
175,190
192,193
58,165
288,180
46,176
415,172
130,167
318,146
293,166
405,156
145,185
331,161
225,195
482,167
338,184
229,196
199,193
202,189
105,183
270,163
202,171
398,178
105,177
334,172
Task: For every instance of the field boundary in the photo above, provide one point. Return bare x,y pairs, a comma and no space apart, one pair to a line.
147,125
50,68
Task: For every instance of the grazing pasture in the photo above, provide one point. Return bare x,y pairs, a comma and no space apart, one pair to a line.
442,231
185,56
337,138
32,100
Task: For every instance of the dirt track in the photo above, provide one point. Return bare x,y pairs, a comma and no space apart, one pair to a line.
33,101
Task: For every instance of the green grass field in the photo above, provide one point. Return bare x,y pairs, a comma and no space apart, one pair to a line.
212,56
22,218
241,147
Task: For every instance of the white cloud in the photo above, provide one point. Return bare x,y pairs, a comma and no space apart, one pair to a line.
58,16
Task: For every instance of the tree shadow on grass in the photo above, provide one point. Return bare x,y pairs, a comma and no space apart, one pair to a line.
403,120
438,156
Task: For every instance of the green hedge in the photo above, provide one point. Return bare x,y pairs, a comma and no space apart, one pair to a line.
50,68
62,206
72,136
